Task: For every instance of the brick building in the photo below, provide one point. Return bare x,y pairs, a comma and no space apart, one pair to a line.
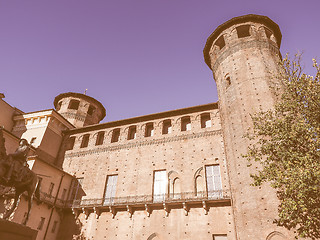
171,175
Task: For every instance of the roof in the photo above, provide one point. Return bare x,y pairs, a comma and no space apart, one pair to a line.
236,20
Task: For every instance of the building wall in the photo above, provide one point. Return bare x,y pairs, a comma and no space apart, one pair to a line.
183,153
6,116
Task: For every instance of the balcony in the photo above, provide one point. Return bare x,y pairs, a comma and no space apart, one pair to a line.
148,203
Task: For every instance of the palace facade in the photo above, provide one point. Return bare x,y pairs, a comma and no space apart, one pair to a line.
165,176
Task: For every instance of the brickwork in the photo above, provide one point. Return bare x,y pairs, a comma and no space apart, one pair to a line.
243,70
183,154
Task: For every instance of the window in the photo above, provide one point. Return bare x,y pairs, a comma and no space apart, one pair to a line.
51,189
220,42
70,143
111,188
41,223
159,186
243,31
132,132
54,226
166,127
149,130
219,236
100,138
227,80
63,195
59,106
76,189
185,124
115,135
91,110
74,104
213,181
85,141
205,120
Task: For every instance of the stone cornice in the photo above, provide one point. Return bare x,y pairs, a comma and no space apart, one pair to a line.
142,143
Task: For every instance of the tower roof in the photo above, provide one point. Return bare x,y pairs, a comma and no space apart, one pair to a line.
236,20
83,96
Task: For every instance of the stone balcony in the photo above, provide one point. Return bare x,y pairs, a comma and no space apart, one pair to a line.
148,203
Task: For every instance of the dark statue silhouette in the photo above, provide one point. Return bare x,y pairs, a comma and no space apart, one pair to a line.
14,172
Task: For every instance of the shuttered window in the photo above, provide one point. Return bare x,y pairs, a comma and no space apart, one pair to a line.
214,185
111,187
159,186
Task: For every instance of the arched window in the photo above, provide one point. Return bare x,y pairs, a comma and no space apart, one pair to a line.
166,127
85,141
199,186
149,130
100,138
205,120
115,135
186,124
132,132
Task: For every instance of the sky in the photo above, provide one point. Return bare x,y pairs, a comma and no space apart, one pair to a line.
136,57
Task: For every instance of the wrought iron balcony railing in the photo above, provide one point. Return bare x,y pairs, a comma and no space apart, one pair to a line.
189,197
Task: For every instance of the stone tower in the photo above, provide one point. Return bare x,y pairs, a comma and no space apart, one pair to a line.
79,109
243,54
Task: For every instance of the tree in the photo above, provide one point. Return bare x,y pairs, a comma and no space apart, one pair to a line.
286,142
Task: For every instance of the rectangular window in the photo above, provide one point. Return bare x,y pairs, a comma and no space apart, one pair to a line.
219,236
85,141
149,130
100,138
166,127
205,120
159,186
220,43
213,178
111,188
63,195
51,189
132,132
74,104
76,189
70,143
41,223
91,110
115,135
185,124
243,31
54,226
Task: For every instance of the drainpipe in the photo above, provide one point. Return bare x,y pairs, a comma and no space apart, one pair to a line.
53,207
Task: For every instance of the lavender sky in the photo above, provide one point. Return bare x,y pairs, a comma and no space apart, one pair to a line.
136,57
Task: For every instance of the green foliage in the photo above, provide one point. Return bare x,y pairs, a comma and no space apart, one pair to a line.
287,145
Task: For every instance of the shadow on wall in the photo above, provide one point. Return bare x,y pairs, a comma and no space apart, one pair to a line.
70,228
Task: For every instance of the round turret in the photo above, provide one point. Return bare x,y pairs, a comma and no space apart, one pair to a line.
79,109
243,54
